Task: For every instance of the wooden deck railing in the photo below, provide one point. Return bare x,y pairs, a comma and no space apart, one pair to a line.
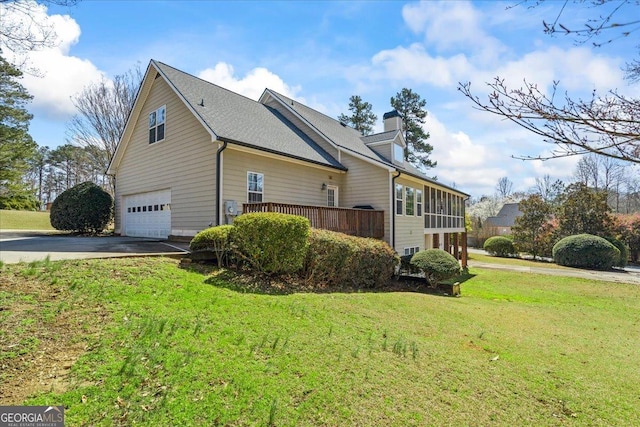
356,222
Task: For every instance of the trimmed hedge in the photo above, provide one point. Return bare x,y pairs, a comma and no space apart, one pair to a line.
500,246
214,239
83,208
436,264
272,243
624,252
337,259
587,251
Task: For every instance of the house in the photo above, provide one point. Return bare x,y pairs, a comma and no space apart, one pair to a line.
194,155
506,218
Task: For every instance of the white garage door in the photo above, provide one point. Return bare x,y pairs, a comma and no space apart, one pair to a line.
148,214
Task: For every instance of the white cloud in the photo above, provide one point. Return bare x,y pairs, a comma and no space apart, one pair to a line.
416,64
252,85
452,26
468,164
59,76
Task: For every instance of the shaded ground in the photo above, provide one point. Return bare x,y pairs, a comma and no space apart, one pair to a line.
56,338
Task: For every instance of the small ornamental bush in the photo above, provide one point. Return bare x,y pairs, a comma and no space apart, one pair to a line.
337,259
436,264
500,246
214,239
587,251
85,208
624,252
270,242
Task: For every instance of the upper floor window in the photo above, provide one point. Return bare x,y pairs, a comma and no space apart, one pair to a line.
156,124
255,187
398,153
399,198
419,202
409,201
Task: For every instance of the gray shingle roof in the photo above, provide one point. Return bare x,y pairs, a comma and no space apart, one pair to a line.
349,138
332,129
241,120
506,217
379,137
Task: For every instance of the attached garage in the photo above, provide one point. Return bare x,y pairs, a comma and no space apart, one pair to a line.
147,214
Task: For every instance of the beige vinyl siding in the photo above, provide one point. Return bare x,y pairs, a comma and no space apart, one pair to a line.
383,149
284,181
183,162
367,184
409,229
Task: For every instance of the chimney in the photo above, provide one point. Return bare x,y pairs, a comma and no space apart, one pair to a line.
392,121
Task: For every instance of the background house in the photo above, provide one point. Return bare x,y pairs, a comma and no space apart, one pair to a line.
501,224
194,155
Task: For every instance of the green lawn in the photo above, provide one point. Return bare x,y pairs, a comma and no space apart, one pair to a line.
24,220
515,261
164,346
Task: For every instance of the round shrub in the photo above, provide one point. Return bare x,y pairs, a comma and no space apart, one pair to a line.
500,246
436,264
214,239
85,208
271,242
337,259
587,251
624,251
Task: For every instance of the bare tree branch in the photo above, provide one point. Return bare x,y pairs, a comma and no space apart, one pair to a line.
608,126
20,31
103,110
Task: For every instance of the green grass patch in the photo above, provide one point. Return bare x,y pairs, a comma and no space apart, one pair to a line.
514,261
179,347
24,220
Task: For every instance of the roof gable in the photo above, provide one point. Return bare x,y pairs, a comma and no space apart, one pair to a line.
230,117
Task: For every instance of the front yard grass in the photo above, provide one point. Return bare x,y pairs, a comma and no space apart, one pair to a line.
515,261
142,341
24,220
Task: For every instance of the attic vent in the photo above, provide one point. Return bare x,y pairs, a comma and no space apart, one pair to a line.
343,124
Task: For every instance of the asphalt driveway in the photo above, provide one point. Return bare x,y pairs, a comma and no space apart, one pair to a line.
17,246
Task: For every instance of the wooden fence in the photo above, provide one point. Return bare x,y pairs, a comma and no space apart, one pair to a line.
356,222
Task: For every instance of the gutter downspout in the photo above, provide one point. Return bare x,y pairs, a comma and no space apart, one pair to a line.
218,181
393,210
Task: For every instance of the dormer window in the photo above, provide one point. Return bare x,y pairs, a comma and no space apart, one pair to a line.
156,125
398,153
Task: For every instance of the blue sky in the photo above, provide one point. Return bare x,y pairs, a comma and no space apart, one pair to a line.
323,52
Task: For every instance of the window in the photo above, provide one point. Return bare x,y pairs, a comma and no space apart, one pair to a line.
156,125
409,201
399,198
411,251
332,196
398,153
419,202
255,187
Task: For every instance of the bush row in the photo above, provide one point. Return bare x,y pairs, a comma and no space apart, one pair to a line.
338,259
275,243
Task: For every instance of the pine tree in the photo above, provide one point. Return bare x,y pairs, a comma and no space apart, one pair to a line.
361,118
410,106
16,145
